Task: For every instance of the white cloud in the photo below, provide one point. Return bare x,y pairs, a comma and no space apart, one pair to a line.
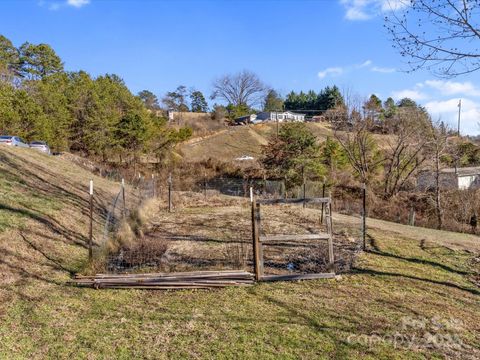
356,14
413,94
333,71
367,9
452,87
57,5
78,3
365,64
337,70
447,110
383,70
441,106
392,5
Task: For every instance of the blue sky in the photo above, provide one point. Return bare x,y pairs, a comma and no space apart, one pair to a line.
291,45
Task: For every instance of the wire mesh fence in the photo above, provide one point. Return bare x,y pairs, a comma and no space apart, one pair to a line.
209,226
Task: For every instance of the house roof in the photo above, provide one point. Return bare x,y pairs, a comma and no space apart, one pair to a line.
465,171
282,112
245,117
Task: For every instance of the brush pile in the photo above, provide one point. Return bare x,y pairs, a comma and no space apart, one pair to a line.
167,281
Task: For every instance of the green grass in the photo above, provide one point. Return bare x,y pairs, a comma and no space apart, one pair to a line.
394,283
403,288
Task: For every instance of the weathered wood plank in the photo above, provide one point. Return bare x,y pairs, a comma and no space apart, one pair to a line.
207,273
268,238
293,201
295,277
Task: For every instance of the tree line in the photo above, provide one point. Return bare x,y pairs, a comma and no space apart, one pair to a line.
74,111
386,165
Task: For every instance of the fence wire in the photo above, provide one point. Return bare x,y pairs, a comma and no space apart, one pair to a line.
209,226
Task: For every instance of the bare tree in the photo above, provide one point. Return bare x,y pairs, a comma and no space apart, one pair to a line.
438,147
360,147
243,88
439,35
405,151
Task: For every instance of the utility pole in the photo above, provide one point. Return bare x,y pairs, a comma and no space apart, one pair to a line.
458,132
459,113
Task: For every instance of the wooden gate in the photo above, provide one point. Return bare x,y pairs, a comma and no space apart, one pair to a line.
260,240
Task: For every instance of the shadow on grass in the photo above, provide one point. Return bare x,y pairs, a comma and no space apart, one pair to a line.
50,223
56,263
377,251
35,177
341,346
412,277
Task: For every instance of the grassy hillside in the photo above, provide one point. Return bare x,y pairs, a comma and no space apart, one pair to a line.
237,141
414,295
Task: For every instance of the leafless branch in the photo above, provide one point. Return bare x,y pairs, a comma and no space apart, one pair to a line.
439,35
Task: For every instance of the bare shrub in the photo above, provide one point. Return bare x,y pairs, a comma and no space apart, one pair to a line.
145,252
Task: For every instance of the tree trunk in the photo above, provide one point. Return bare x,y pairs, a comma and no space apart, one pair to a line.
438,206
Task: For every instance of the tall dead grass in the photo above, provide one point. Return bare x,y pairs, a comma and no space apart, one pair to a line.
128,248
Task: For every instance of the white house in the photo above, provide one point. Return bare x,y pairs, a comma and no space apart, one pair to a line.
451,178
280,116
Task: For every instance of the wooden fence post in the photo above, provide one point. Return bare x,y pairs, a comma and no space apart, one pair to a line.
323,204
90,235
170,192
257,251
123,198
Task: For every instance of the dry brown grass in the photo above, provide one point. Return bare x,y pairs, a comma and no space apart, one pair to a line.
410,276
215,233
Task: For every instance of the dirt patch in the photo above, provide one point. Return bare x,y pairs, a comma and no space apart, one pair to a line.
215,233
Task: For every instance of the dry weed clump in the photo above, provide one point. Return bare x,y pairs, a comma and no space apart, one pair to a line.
129,248
146,252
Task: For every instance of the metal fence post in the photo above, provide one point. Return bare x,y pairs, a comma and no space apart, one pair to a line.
205,184
364,216
154,193
90,235
323,205
329,220
123,198
304,187
170,192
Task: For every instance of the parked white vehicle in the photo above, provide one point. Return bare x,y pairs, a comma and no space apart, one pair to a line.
244,157
12,141
40,146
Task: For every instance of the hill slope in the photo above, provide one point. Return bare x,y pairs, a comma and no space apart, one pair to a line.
236,141
406,298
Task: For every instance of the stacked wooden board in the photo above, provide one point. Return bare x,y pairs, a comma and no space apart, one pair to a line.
167,281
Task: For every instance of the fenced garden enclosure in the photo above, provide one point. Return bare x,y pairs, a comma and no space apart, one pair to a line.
229,230
299,253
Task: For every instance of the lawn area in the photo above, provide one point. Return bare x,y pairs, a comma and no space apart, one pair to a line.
402,293
408,297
